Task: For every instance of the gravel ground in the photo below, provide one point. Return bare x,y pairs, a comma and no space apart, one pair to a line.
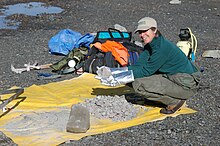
29,44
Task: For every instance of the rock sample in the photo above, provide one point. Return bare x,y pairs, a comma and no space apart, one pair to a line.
79,119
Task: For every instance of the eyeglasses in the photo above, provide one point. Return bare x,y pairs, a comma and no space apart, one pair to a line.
142,31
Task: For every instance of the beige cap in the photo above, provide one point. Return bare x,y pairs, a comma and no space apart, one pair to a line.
146,23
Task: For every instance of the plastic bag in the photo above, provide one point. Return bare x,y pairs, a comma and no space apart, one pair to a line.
63,42
114,76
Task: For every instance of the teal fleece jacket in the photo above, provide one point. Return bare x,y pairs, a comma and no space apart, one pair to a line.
161,56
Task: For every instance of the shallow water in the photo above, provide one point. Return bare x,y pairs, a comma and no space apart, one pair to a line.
31,9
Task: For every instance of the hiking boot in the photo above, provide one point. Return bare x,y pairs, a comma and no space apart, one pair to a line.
170,109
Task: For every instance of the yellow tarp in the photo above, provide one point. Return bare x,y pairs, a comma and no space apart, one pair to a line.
60,96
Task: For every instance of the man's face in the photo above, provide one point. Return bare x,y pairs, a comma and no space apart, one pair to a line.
147,35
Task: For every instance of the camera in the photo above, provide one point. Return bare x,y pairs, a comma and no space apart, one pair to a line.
184,35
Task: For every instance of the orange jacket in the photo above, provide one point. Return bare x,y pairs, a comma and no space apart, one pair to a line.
118,51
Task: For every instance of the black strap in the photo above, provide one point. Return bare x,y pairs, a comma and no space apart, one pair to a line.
189,53
110,30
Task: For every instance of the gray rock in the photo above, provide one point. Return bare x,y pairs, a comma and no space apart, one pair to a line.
6,141
79,119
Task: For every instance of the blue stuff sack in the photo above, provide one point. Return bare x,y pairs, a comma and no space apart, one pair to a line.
63,42
134,52
85,41
133,57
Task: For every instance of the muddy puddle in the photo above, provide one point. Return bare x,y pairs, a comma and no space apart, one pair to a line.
30,9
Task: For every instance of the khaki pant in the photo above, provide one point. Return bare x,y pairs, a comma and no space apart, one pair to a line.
167,89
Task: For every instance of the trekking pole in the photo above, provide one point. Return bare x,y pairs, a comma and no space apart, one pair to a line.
6,101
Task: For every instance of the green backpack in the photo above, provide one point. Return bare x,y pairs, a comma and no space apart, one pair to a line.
77,54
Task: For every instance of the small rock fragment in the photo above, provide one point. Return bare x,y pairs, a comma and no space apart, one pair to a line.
175,2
